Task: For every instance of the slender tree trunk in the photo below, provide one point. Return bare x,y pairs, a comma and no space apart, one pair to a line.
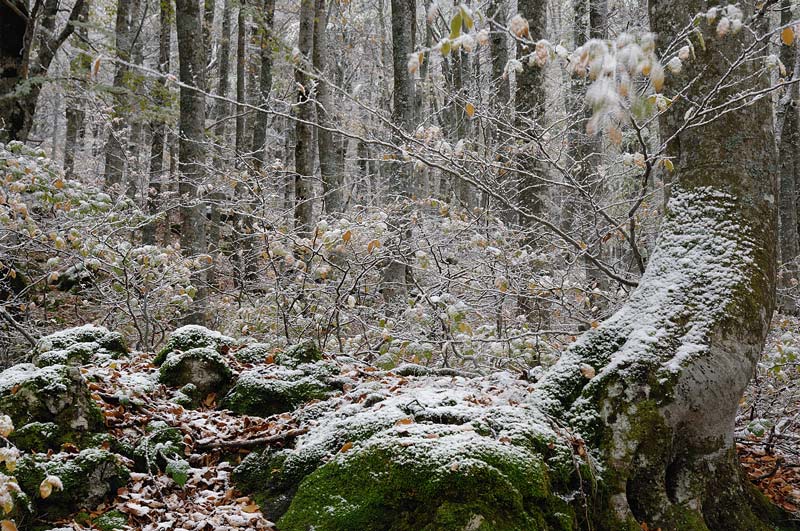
404,26
789,158
304,146
79,70
327,149
241,62
12,68
115,145
530,99
209,6
192,143
265,82
159,126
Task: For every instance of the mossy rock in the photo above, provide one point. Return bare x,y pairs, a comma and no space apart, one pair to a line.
161,444
428,457
203,367
295,355
57,394
429,487
193,336
254,353
88,477
37,437
79,346
272,389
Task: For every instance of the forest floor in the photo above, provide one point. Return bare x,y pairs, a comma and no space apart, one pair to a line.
767,434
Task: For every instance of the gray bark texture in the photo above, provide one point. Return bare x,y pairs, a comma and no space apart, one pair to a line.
304,130
192,142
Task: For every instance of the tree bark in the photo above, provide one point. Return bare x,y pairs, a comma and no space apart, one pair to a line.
404,13
75,114
159,125
192,144
115,145
241,61
304,146
789,158
327,149
12,68
265,82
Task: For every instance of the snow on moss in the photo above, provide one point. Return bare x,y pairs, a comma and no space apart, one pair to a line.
193,336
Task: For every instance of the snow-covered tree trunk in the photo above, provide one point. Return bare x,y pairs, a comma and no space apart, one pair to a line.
654,390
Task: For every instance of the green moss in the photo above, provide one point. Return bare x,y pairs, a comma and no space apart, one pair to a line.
295,355
203,367
193,336
111,521
254,353
88,478
269,390
389,487
56,394
37,437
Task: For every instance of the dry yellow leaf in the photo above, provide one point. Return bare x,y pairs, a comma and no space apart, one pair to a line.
787,36
346,236
346,447
8,525
470,108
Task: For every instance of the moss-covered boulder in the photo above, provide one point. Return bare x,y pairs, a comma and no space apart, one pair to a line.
57,394
78,346
203,367
88,478
295,355
193,336
437,454
272,389
254,353
37,437
111,521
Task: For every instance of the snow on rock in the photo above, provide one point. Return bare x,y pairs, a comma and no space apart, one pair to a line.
56,393
79,345
193,336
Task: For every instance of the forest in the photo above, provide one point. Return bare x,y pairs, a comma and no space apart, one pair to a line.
400,265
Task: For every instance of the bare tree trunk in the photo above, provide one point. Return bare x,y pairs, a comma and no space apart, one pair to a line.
241,62
158,126
304,146
79,69
115,145
265,82
789,158
404,29
192,144
327,149
13,25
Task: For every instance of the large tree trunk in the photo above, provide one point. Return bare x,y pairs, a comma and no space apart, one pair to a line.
673,363
404,29
192,143
788,129
75,113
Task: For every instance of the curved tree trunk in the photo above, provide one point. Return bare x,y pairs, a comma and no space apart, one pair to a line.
673,363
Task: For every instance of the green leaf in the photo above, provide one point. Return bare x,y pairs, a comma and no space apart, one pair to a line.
468,22
445,49
455,25
178,470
